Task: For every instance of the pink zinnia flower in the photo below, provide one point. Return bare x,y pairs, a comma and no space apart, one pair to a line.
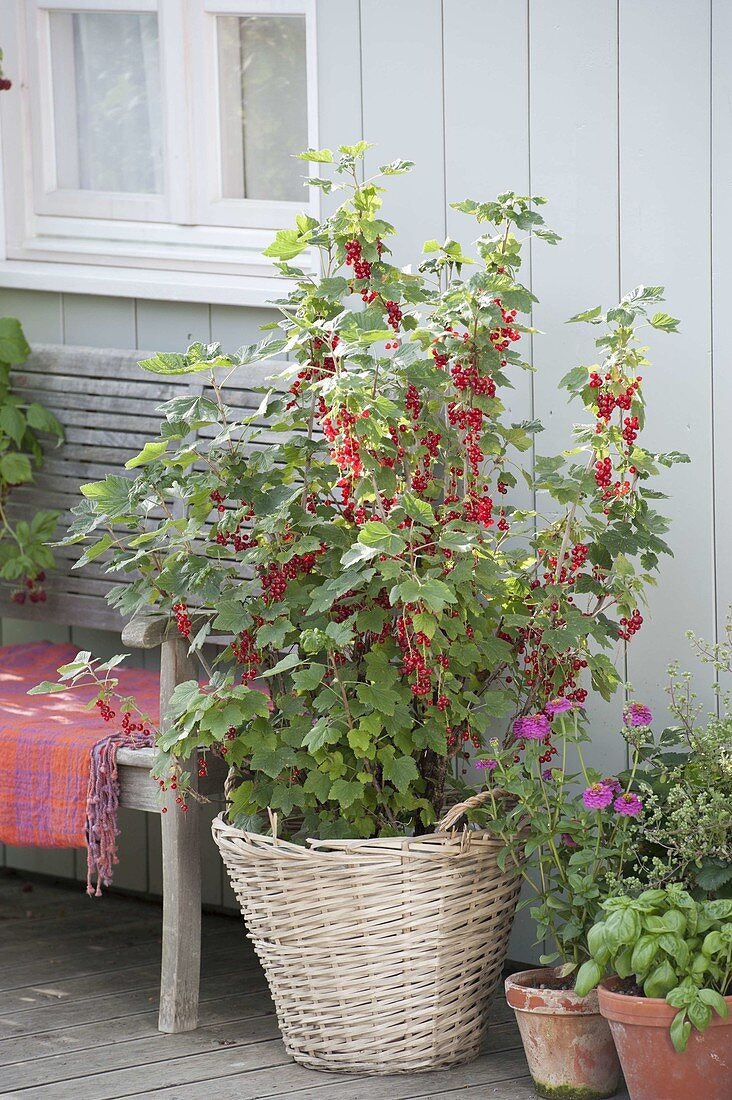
597,797
558,706
532,727
628,804
612,785
489,764
637,714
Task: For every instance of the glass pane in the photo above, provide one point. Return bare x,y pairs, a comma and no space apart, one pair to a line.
107,101
263,104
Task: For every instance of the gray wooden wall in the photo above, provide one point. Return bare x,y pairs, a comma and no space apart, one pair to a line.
620,112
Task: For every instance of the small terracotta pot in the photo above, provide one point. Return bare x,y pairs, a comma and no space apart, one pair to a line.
652,1067
567,1043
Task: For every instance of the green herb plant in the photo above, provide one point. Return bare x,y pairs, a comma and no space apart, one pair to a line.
671,947
24,549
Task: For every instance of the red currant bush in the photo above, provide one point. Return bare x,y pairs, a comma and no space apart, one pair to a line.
359,537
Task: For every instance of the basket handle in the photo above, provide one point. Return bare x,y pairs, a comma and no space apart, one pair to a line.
229,784
453,815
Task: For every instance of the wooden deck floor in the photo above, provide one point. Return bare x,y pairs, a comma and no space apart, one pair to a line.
78,1008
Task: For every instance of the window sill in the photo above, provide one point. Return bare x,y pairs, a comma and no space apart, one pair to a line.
134,282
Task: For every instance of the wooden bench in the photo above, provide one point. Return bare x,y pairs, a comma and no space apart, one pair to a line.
107,407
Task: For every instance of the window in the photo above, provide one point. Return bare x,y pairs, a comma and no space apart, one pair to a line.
107,101
157,135
262,105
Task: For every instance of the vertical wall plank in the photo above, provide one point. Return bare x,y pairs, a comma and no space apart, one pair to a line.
477,165
665,238
38,311
27,630
401,63
486,124
171,326
721,237
233,326
96,321
340,66
42,861
574,164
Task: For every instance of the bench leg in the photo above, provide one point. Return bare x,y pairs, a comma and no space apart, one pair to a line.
180,973
181,965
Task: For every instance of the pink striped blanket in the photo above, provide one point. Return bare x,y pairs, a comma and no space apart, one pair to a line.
58,772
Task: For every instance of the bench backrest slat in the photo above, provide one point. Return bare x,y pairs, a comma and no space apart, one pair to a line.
106,404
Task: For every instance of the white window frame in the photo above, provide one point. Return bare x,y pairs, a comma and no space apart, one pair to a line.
188,243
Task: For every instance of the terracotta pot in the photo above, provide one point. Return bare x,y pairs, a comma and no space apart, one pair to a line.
567,1043
651,1066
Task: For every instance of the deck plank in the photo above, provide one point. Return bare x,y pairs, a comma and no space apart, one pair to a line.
97,984
111,1007
31,1044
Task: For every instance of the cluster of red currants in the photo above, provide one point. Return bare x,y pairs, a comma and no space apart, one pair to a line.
465,736
361,267
275,577
105,711
412,402
182,619
470,378
173,786
128,726
244,648
479,509
32,590
338,430
571,565
554,674
394,314
630,429
604,472
631,626
607,401
235,539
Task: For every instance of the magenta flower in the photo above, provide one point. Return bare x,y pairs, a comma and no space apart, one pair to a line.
597,797
558,706
568,842
532,727
547,774
628,804
637,714
612,785
491,765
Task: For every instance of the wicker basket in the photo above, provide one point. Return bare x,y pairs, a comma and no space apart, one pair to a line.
381,955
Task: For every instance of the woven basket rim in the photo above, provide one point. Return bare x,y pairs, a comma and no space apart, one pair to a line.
442,845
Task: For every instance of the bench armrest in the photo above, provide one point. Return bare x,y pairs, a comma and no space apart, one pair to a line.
150,631
146,631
